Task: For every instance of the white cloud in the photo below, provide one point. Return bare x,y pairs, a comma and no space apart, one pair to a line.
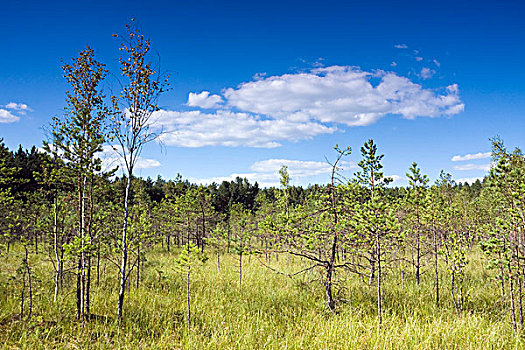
146,163
393,64
436,62
268,110
7,117
21,107
226,128
427,73
480,155
204,100
266,172
7,114
264,180
297,168
470,166
470,180
111,159
419,59
341,94
401,46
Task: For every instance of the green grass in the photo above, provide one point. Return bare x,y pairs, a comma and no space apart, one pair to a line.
269,311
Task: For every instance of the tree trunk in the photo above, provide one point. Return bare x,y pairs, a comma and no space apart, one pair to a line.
58,271
418,257
502,275
330,271
22,296
188,297
83,293
124,261
79,290
436,272
328,288
512,305
453,290
379,281
203,229
98,263
88,285
138,266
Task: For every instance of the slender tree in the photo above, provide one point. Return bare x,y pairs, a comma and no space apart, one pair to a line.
375,222
417,217
132,121
79,135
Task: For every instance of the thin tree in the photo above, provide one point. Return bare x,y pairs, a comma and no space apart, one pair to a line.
79,134
375,222
416,201
132,120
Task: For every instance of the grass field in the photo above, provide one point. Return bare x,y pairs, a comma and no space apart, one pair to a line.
269,310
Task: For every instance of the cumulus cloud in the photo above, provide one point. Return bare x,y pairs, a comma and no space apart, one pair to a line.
226,128
419,59
427,73
470,166
401,46
268,110
21,107
204,100
436,62
266,172
342,94
12,111
480,155
7,117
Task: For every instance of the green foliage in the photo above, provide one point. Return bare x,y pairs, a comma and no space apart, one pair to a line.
190,255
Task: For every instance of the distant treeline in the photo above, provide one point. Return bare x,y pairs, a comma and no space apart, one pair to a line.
27,164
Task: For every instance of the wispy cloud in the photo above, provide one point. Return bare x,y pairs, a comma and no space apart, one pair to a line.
226,128
427,73
480,155
401,46
297,168
266,172
470,166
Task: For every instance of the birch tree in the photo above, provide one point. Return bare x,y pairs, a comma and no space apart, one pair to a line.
132,124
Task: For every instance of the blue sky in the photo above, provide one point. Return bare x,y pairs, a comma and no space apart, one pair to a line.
259,84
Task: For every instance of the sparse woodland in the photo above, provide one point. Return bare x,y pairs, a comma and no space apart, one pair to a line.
104,259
